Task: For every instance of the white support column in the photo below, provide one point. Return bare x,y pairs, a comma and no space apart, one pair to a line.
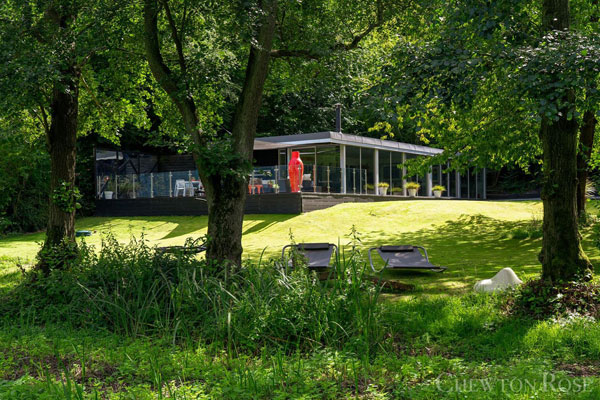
343,167
458,194
403,175
376,172
429,186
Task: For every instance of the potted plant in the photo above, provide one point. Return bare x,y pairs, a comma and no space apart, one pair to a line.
412,188
109,189
383,188
275,187
438,190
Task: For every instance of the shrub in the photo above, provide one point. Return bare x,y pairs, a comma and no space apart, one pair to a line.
540,299
439,187
413,185
24,177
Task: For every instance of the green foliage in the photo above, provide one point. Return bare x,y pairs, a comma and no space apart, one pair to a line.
439,188
412,185
24,176
531,230
66,196
135,290
64,255
36,55
540,299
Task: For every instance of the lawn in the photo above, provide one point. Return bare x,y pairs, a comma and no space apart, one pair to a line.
439,341
472,238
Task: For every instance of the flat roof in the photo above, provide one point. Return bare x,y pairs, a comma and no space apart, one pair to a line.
306,139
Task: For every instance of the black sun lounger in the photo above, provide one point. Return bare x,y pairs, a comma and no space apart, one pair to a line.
404,257
318,255
182,249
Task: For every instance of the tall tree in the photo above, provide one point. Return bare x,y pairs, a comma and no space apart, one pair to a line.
492,91
298,29
562,256
51,49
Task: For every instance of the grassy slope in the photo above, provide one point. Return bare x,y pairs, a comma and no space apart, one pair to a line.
472,238
450,337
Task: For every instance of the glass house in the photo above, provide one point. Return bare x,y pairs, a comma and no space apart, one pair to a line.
334,163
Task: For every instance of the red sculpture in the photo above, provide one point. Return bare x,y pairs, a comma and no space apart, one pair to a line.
295,171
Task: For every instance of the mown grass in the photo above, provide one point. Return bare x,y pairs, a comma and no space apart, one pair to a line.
270,338
472,238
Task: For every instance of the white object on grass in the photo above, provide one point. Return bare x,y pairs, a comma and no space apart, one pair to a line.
504,279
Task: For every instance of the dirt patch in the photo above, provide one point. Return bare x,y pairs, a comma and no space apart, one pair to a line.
580,370
59,367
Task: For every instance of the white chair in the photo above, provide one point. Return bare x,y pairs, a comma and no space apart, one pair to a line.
179,186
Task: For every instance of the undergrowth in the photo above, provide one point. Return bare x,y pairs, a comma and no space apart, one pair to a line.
135,290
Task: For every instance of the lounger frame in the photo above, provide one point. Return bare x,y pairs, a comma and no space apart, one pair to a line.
381,249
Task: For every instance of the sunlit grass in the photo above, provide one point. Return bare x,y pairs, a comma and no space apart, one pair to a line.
438,334
472,238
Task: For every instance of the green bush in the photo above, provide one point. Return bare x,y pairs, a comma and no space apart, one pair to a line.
24,177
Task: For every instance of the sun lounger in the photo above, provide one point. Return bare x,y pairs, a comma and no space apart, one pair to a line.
318,255
404,257
181,249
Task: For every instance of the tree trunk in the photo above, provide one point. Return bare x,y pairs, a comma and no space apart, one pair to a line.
586,142
562,256
227,196
62,140
225,191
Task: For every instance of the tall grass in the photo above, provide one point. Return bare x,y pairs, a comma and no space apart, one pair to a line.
135,290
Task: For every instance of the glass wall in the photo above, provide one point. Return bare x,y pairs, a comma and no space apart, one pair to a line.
353,176
283,157
416,178
328,156
385,169
436,175
367,162
396,185
452,184
464,184
481,183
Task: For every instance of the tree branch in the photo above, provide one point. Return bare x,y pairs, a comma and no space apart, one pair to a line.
163,75
91,92
353,44
175,35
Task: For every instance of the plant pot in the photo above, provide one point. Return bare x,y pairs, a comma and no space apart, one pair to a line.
383,191
108,195
437,194
412,192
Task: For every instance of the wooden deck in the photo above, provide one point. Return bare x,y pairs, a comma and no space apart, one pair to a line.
282,203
